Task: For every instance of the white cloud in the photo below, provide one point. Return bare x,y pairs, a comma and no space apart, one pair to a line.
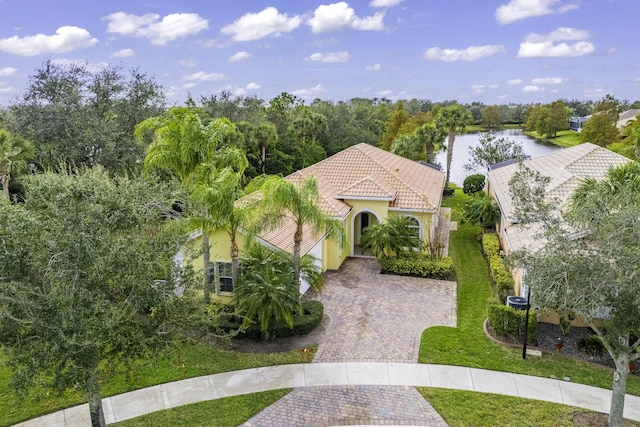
239,56
7,71
472,53
516,10
90,66
545,46
547,81
158,32
240,91
201,76
550,50
123,53
385,93
252,86
494,86
384,3
339,16
374,67
255,26
532,88
596,93
65,39
188,63
342,56
636,80
5,88
513,82
311,92
561,34
478,89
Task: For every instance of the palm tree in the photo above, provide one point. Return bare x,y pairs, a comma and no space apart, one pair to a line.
218,193
267,291
452,119
300,203
189,150
394,236
14,153
431,136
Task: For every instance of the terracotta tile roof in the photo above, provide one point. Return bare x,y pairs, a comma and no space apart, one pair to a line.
364,172
566,168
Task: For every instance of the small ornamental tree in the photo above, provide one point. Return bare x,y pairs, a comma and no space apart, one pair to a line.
473,184
579,271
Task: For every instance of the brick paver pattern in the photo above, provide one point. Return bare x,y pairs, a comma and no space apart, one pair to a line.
375,318
349,405
380,317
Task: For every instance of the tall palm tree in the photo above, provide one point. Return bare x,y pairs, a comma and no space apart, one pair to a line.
300,203
189,150
218,193
452,119
15,151
431,136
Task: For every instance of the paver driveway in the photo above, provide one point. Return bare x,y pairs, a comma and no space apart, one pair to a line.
379,317
375,318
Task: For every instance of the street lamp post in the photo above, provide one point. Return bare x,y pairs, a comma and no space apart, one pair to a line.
526,325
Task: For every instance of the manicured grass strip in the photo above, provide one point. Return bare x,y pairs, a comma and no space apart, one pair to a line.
226,412
564,138
467,345
186,361
467,408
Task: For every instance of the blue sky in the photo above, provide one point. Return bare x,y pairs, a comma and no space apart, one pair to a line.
493,51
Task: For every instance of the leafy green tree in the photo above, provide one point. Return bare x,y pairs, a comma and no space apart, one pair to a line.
300,203
267,291
393,236
453,119
557,119
599,130
492,117
86,117
579,271
15,151
396,119
190,151
491,150
87,279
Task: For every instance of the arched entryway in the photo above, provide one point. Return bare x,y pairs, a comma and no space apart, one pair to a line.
360,221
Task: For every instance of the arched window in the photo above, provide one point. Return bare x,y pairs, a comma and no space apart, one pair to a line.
414,226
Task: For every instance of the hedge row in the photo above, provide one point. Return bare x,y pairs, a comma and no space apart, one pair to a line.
419,265
509,322
499,273
303,323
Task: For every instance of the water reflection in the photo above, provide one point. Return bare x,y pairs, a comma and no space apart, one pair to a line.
532,147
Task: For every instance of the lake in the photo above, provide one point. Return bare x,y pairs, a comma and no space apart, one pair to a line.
532,147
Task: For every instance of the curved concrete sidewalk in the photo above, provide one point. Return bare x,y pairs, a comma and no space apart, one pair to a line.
178,393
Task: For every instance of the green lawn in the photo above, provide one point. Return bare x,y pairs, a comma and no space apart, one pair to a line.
226,412
186,361
564,138
467,345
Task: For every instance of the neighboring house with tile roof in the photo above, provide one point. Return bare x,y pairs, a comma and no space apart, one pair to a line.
566,168
361,185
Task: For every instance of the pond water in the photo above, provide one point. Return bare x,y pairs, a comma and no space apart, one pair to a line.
533,147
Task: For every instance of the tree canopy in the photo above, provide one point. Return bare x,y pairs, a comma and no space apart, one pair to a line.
491,150
86,278
579,270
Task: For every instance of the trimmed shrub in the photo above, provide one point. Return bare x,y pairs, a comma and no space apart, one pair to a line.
509,322
418,264
473,184
303,323
591,345
500,276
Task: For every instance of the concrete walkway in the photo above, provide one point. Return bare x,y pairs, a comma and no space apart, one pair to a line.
348,375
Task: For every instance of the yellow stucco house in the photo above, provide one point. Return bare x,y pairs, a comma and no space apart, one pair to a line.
360,186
